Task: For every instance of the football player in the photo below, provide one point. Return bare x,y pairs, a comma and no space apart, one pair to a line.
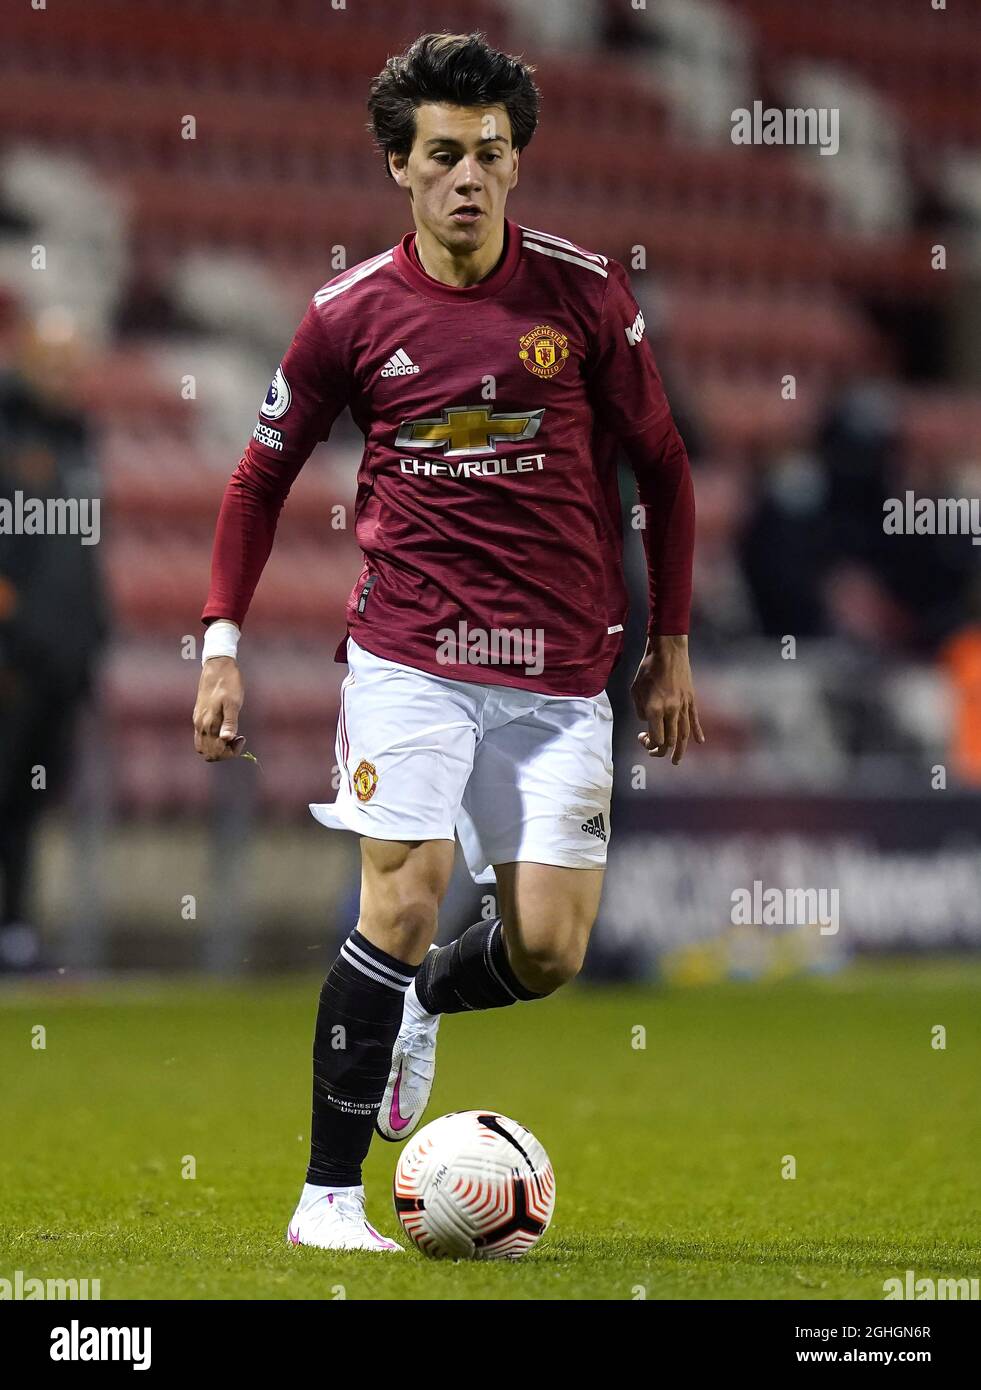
496,372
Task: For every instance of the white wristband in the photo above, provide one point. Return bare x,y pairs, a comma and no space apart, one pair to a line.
220,639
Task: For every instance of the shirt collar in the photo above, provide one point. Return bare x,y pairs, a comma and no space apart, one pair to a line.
408,266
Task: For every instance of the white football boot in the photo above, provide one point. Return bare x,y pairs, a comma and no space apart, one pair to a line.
334,1219
410,1081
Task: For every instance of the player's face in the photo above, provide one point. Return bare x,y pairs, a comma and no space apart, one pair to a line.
459,173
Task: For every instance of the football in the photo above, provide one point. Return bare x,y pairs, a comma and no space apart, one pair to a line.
474,1185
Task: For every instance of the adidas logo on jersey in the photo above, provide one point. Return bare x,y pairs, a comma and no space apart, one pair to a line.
595,826
399,364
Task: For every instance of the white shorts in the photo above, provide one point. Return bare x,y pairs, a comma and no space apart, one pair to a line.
516,775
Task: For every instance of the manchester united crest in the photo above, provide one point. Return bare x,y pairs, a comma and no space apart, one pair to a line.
544,350
365,780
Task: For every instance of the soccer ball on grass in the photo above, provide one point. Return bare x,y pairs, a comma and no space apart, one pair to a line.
474,1186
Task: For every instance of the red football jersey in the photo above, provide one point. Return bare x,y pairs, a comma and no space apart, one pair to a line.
487,507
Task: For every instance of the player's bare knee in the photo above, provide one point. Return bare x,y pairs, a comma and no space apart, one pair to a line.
401,889
403,925
545,968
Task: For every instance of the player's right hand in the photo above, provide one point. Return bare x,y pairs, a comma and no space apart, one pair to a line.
220,698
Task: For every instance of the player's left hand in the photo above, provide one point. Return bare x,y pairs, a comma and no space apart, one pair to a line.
664,697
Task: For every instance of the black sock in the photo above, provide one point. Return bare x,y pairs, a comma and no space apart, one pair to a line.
473,972
357,1023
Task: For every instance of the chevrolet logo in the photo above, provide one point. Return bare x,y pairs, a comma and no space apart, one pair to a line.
468,429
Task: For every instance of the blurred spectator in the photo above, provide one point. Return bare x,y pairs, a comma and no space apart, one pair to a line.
817,558
785,547
624,29
962,659
52,611
147,303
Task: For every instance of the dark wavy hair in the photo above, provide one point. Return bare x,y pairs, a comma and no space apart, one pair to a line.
459,70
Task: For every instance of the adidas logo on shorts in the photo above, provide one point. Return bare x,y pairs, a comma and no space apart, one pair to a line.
595,826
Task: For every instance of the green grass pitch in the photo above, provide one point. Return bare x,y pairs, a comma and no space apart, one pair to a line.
668,1159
